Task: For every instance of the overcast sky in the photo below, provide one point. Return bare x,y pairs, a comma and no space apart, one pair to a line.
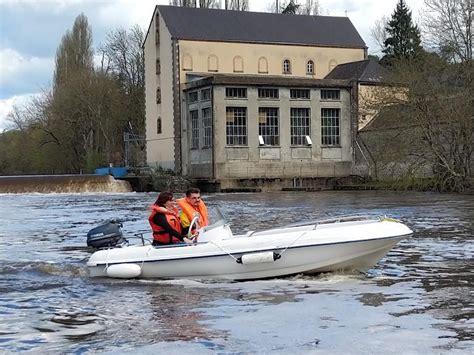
30,32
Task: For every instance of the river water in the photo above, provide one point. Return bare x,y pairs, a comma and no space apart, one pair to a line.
419,299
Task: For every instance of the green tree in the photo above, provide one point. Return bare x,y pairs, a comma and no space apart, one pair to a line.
374,57
291,8
74,54
403,37
79,124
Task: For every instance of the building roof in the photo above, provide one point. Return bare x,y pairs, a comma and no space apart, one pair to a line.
364,70
257,27
196,80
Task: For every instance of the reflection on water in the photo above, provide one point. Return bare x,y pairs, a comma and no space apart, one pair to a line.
173,312
417,300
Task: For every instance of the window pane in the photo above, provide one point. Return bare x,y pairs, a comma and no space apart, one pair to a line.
299,125
207,126
236,93
205,94
330,126
264,93
193,96
330,95
303,94
268,125
236,125
194,129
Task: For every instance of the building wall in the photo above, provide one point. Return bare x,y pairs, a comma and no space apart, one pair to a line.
160,146
367,95
373,97
197,162
237,59
200,56
284,161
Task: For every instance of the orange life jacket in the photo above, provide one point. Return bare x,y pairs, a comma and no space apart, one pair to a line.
190,211
159,234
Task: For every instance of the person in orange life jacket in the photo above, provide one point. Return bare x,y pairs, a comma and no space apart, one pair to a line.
192,205
164,221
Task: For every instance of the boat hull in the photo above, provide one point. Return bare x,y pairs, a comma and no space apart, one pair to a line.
305,260
297,250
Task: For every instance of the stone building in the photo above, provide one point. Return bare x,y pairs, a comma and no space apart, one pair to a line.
243,99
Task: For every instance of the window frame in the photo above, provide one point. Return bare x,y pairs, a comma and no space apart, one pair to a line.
286,67
237,132
300,129
193,96
201,96
159,125
270,130
194,128
325,97
310,63
233,92
207,127
295,91
262,91
330,127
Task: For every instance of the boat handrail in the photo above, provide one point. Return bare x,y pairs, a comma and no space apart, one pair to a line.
347,218
317,222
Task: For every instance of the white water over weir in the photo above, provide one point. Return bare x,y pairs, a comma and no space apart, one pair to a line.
62,184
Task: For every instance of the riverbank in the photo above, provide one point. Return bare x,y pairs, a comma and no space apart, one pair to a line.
406,184
159,180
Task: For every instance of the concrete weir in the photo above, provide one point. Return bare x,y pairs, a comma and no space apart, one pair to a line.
62,184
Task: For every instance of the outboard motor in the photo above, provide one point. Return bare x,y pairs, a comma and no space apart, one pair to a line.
106,235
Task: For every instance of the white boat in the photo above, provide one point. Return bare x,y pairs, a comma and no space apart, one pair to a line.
355,243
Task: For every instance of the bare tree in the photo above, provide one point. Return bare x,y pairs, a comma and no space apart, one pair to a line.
427,116
209,4
124,56
312,7
239,5
183,3
447,27
379,33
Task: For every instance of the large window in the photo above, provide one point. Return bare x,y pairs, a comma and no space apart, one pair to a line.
267,93
330,95
207,125
236,93
300,94
300,126
268,125
194,129
330,126
236,125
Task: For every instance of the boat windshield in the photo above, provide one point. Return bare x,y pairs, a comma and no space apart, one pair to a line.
218,216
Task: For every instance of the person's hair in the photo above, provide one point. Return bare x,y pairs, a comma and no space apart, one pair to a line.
163,197
192,190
